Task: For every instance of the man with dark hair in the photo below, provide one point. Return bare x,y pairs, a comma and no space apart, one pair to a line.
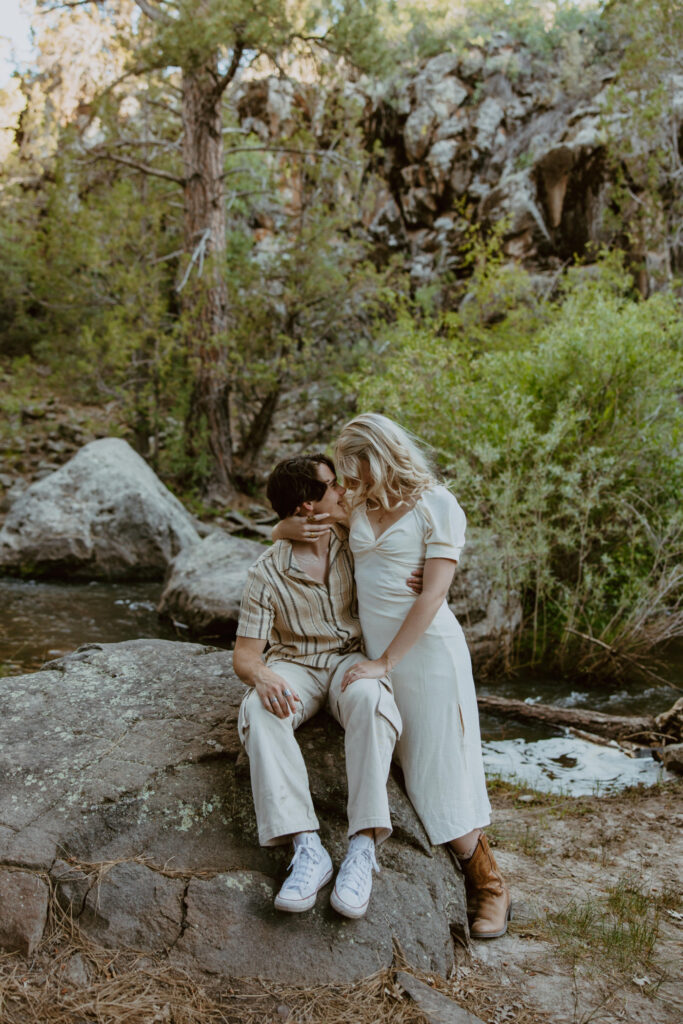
298,633
294,481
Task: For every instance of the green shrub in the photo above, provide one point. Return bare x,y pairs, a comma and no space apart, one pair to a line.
563,441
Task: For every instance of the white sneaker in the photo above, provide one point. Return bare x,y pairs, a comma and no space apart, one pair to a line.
351,893
311,869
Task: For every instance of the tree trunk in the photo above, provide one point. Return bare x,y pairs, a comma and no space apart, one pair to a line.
247,456
204,292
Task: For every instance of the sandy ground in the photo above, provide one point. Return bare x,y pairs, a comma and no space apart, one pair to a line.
596,938
597,929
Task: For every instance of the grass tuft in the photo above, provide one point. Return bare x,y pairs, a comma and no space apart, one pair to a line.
620,928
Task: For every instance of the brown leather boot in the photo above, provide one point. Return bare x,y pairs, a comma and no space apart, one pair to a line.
488,897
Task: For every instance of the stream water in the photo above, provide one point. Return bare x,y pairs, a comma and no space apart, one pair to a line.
43,620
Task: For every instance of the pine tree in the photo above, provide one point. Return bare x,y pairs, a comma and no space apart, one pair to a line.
198,50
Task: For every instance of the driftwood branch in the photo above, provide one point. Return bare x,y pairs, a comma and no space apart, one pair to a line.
614,727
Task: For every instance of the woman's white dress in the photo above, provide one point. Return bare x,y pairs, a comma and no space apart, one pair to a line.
440,748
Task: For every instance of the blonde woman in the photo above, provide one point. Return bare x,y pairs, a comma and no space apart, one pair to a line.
399,517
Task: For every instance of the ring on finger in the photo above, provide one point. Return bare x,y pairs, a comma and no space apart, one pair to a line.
273,700
287,693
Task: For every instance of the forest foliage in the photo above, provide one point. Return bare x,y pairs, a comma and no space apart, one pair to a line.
562,435
556,414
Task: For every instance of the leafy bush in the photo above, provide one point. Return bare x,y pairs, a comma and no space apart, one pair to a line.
548,29
565,443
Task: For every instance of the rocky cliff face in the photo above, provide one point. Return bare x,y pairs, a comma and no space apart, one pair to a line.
485,136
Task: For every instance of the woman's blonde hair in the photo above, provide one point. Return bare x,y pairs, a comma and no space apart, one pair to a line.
399,469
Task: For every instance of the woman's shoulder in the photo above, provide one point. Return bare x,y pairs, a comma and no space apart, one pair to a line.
440,506
439,497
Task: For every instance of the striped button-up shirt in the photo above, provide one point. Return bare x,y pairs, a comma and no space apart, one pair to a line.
301,619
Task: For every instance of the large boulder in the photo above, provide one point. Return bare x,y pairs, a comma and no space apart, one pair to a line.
489,613
123,780
103,515
205,583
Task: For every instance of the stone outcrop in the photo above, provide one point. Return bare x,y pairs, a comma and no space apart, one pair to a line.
104,514
492,130
672,758
24,903
122,779
205,583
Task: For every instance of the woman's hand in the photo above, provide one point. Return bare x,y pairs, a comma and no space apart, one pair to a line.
365,670
302,528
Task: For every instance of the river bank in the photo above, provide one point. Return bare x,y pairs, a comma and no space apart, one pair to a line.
45,619
595,937
48,617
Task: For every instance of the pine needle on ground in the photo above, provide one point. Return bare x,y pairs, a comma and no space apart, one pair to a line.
72,980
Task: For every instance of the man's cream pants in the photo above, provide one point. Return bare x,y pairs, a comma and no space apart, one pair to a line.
368,714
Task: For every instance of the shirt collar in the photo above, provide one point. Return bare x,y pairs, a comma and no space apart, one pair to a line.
285,555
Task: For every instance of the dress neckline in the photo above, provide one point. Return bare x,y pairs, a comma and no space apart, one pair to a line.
378,537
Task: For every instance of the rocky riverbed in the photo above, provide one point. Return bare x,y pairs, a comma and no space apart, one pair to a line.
105,515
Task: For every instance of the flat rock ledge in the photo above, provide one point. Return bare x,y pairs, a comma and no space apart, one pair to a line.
123,784
104,514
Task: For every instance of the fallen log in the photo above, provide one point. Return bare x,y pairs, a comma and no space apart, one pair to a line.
644,728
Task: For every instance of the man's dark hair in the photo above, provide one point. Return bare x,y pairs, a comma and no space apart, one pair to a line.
294,481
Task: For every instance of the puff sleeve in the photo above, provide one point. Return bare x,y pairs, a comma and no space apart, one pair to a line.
445,524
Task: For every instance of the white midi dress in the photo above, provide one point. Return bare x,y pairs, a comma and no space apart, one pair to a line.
440,747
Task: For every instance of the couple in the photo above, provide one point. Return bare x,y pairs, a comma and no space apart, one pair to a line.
414,690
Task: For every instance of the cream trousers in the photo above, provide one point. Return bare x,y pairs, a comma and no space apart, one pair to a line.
368,714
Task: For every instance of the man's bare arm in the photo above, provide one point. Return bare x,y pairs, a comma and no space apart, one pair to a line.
247,660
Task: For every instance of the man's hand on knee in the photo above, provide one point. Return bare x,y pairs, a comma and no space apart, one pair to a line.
276,694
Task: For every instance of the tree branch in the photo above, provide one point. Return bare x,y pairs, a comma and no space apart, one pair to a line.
137,166
66,3
162,143
153,12
225,80
329,154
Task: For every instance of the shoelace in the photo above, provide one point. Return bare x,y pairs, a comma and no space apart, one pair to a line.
356,867
302,866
